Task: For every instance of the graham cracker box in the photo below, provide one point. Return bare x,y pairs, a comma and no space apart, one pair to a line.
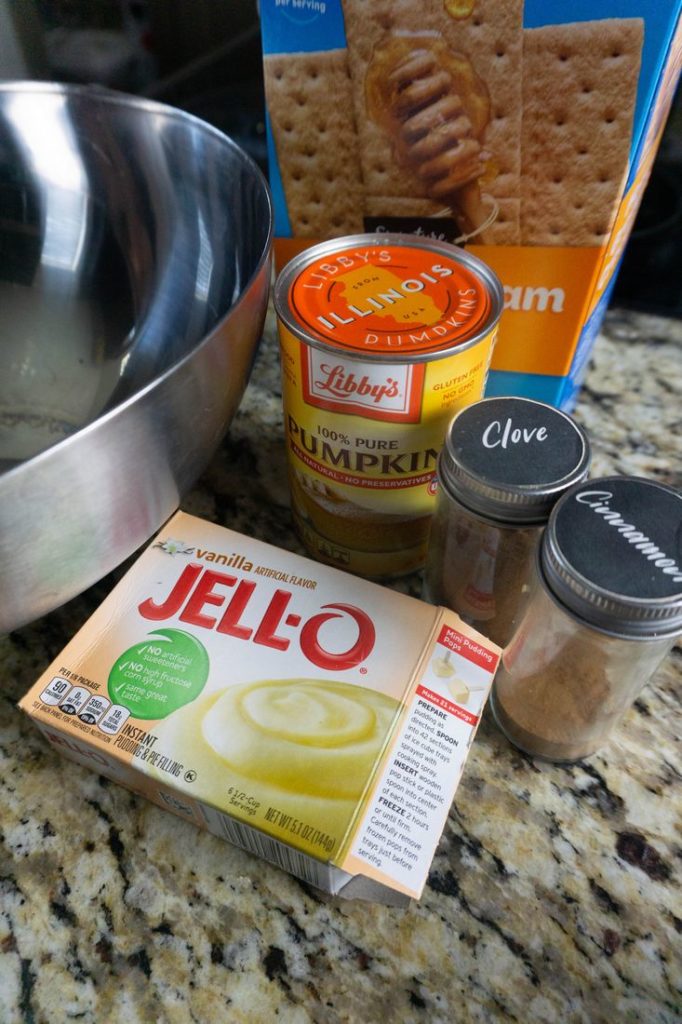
524,131
311,718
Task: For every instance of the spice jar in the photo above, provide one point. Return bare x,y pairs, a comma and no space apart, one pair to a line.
605,609
504,464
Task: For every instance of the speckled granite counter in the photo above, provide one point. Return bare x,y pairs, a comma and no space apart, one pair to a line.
555,891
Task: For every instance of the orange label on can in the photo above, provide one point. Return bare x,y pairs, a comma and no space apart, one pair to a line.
400,299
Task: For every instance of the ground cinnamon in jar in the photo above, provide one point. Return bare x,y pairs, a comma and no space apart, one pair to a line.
606,608
504,464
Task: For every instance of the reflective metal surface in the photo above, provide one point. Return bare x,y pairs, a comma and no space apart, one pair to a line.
134,272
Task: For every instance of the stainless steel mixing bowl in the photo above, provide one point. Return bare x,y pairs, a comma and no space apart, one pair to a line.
134,272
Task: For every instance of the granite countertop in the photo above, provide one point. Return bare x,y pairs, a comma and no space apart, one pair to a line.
555,891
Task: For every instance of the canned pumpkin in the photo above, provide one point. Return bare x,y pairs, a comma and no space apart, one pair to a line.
383,339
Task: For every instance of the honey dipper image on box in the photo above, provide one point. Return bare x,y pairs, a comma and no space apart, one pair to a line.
433,106
452,142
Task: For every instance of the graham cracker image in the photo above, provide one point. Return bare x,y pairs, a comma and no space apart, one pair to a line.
310,106
426,114
579,93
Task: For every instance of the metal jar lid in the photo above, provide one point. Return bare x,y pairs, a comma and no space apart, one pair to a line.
510,459
612,555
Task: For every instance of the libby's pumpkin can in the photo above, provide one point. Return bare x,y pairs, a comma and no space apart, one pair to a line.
383,339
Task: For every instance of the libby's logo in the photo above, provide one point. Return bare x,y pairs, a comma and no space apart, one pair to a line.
337,382
368,389
199,592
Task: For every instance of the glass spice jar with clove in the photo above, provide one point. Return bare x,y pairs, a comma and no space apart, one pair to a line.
504,464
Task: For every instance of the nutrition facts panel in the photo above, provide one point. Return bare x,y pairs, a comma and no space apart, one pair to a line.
91,708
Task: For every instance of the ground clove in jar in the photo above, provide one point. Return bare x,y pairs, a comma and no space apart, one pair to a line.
504,464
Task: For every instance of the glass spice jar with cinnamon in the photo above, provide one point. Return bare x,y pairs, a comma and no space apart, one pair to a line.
605,609
504,464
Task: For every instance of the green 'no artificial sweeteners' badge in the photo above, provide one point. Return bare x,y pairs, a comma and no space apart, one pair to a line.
157,676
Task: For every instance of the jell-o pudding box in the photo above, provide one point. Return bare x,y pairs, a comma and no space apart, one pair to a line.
315,719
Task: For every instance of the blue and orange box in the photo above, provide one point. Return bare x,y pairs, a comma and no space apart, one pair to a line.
524,131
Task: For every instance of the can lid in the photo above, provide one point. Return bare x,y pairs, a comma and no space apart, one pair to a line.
388,296
612,554
512,458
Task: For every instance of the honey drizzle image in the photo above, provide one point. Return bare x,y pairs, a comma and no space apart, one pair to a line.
435,109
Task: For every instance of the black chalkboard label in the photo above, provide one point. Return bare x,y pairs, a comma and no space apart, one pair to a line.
516,442
623,535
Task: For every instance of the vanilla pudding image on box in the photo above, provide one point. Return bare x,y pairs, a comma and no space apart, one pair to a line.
303,748
279,703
